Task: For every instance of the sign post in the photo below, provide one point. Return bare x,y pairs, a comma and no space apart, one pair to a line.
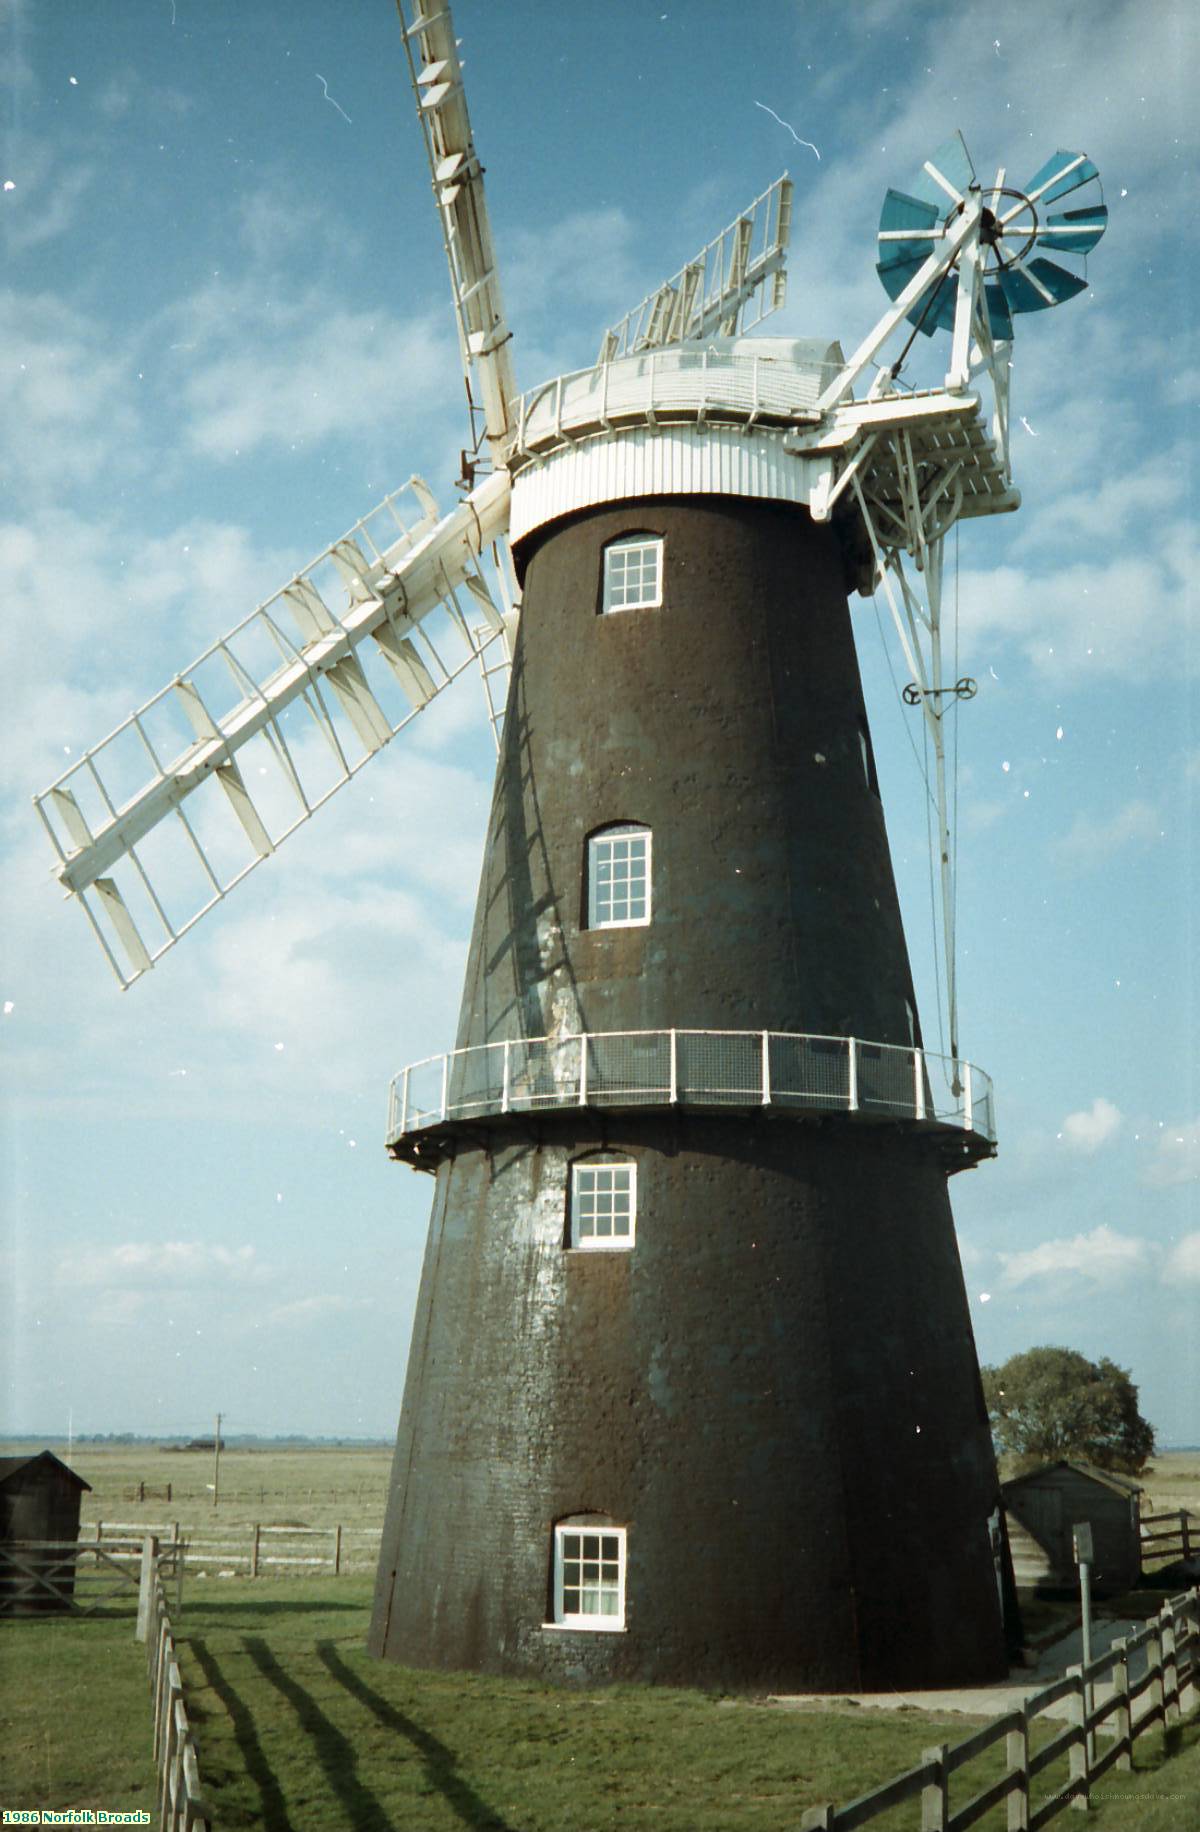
1081,1545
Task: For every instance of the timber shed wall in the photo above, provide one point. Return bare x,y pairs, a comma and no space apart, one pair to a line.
1041,1509
39,1500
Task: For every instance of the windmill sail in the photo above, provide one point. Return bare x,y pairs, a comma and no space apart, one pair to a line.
484,336
735,281
275,717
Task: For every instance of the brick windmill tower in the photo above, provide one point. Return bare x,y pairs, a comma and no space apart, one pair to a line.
692,1394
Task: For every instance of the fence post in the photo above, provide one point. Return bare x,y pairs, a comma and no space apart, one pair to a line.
935,1795
1170,1667
819,1819
1079,1750
918,1085
337,1550
254,1551
852,1083
146,1585
1120,1681
1183,1532
673,1047
1016,1755
766,1068
1189,1692
1154,1673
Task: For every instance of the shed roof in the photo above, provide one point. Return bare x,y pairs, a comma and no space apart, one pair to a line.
1122,1485
12,1466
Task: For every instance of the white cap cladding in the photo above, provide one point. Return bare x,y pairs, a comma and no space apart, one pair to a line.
690,420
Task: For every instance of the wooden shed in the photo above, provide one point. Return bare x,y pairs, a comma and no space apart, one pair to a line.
39,1501
1042,1507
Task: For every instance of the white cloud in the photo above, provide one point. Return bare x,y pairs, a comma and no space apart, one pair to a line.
151,1265
1176,1157
1183,1261
1103,1256
1091,1128
1091,840
64,383
308,1310
288,376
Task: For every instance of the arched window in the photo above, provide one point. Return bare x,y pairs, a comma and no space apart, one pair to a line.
618,877
589,1573
602,1205
633,573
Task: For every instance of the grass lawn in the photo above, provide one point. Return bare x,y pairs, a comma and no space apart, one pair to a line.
1163,1792
296,1727
75,1706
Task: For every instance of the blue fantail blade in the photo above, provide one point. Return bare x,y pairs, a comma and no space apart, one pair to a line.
1061,175
953,162
999,317
900,211
1078,230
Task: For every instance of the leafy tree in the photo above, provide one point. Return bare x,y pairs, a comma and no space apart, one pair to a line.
1052,1403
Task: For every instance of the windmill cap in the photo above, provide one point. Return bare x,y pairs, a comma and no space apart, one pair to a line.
799,352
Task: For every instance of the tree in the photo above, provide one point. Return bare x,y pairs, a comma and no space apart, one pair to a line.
1051,1403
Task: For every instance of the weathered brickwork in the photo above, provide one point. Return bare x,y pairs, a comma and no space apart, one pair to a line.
775,1391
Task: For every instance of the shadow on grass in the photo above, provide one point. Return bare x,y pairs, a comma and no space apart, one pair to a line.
440,1762
274,1816
244,1610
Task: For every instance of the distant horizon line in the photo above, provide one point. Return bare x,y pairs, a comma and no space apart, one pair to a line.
179,1437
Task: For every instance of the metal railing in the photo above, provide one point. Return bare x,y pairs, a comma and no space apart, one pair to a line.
691,1068
689,383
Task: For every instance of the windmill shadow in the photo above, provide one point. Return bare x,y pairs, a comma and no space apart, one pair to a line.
440,1762
274,1815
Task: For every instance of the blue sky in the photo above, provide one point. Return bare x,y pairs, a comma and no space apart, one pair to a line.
226,334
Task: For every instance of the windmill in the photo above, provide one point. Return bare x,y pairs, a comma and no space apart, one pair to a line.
692,1393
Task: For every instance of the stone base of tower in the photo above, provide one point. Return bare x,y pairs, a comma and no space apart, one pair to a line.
774,1394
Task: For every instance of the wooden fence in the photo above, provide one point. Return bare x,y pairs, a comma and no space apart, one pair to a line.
71,1577
180,1800
1170,1685
1166,1537
252,1550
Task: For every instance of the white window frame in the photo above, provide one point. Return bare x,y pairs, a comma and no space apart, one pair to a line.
592,1621
618,593
595,843
602,1243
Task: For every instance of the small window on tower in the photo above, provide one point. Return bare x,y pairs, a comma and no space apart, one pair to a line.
603,1204
589,1576
618,877
633,574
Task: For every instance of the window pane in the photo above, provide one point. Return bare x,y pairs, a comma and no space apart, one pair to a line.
632,574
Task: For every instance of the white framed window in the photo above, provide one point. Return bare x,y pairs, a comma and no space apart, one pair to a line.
589,1575
618,877
633,572
603,1204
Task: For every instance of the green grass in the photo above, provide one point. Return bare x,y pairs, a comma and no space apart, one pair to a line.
75,1712
1163,1792
297,1727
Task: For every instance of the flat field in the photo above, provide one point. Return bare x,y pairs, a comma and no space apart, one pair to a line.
305,1485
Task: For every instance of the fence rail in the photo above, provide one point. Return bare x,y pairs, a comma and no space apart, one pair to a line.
253,1548
1168,1536
1169,1686
181,1805
692,1068
72,1577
